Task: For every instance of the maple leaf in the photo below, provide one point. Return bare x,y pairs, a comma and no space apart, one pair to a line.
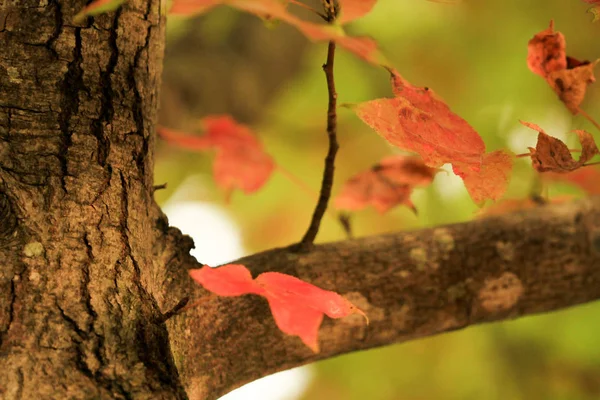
363,47
551,154
567,76
241,161
297,306
354,9
587,179
385,185
417,120
491,180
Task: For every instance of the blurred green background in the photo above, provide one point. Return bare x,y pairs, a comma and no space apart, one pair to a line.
472,53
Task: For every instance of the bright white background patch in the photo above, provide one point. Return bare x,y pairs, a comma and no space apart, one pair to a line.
218,240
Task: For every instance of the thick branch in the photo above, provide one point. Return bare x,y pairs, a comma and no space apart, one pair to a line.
410,284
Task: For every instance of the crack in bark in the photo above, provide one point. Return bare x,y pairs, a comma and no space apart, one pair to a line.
8,220
11,310
58,28
106,101
138,111
70,88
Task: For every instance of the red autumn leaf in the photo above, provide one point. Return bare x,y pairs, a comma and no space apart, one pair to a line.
297,306
587,179
363,47
354,9
241,161
385,185
187,7
491,180
417,120
567,76
547,52
550,154
184,139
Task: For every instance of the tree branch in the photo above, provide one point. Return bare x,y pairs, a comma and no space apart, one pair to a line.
410,284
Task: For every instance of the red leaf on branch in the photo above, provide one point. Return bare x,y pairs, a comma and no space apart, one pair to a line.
551,154
417,120
297,306
241,161
363,47
385,185
567,76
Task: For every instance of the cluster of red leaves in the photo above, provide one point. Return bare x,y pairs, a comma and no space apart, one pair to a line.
297,306
417,120
552,155
241,161
567,76
363,47
385,185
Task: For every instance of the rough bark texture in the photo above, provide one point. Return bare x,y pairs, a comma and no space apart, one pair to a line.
89,264
77,112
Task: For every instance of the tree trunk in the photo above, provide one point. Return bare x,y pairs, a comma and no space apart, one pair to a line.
90,266
77,111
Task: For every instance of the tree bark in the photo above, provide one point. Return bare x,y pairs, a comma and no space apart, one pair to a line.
77,112
90,265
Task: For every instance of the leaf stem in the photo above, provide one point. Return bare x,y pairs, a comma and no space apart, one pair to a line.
327,182
298,182
589,118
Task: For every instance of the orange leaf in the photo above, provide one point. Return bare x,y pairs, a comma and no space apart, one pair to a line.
363,47
567,76
550,154
491,180
189,7
354,9
546,52
240,162
571,84
183,139
385,185
297,306
417,120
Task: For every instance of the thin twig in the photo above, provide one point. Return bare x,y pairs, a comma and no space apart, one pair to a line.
174,311
327,183
589,118
159,187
